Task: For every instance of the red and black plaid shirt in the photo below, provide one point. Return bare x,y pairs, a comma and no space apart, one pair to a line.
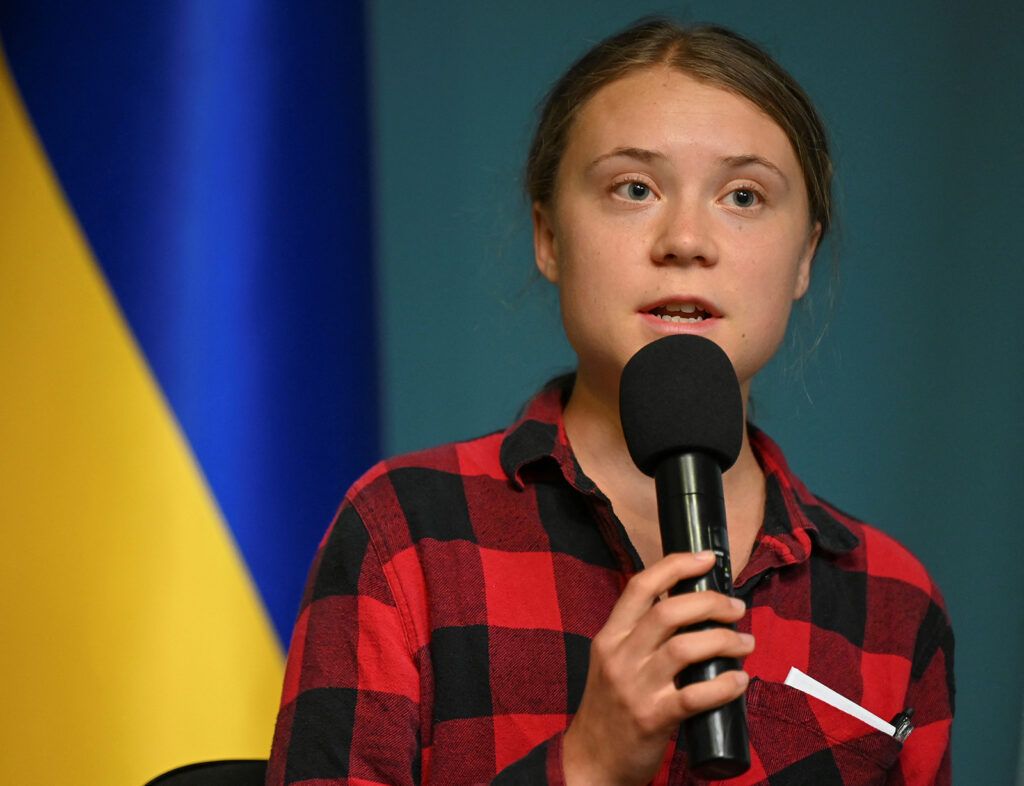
444,634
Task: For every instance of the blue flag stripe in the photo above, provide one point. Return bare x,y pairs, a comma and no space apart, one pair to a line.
218,159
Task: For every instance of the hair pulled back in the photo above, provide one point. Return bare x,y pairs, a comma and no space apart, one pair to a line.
707,53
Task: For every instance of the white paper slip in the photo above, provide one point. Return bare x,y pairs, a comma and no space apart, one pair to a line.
797,679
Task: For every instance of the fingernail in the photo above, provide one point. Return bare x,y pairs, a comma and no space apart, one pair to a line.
704,556
742,678
747,639
738,604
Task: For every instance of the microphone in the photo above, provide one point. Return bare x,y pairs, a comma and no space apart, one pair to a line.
682,416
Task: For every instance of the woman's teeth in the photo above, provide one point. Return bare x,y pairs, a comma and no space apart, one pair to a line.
671,318
680,312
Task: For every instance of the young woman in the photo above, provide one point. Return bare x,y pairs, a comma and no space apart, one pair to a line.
496,609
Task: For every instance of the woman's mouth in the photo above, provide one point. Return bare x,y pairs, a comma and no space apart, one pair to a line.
680,312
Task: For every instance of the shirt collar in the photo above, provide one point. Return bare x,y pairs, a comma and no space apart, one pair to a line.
538,437
794,517
795,520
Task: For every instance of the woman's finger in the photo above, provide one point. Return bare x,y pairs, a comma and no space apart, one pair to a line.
701,696
663,620
647,585
685,649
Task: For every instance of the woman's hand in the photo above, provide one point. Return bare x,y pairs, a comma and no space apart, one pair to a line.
631,706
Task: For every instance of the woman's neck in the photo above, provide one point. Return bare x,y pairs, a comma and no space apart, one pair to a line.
594,431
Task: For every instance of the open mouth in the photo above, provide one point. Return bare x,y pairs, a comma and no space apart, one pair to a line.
680,312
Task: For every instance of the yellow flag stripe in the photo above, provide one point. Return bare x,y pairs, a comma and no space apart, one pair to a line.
134,640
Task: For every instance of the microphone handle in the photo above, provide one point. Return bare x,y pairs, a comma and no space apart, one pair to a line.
691,514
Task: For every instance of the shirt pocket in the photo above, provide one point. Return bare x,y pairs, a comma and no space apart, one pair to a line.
802,740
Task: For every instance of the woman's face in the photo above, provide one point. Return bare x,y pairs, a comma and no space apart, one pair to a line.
679,207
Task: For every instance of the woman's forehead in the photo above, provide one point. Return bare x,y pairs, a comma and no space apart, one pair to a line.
665,111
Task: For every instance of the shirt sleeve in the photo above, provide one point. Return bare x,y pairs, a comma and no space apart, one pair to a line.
542,765
925,758
350,707
351,704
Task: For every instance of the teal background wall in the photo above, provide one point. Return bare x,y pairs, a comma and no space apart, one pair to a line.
908,414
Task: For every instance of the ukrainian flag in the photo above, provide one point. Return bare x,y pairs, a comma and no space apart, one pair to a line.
187,357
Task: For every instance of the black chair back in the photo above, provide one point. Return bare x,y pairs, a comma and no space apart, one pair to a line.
229,772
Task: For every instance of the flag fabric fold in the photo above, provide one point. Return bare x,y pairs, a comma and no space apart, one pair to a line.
187,345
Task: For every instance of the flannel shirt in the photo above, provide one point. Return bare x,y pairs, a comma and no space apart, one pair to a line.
445,629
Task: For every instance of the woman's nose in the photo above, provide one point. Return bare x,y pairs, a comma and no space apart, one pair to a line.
685,235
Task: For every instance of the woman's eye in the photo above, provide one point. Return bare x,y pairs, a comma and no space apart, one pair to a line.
744,197
634,191
638,191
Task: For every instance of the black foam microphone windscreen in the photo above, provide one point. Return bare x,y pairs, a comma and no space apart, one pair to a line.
679,394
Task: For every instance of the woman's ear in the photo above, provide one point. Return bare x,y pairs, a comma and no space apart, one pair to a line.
545,245
803,272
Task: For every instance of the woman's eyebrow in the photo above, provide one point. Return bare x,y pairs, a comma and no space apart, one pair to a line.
639,153
728,162
737,162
